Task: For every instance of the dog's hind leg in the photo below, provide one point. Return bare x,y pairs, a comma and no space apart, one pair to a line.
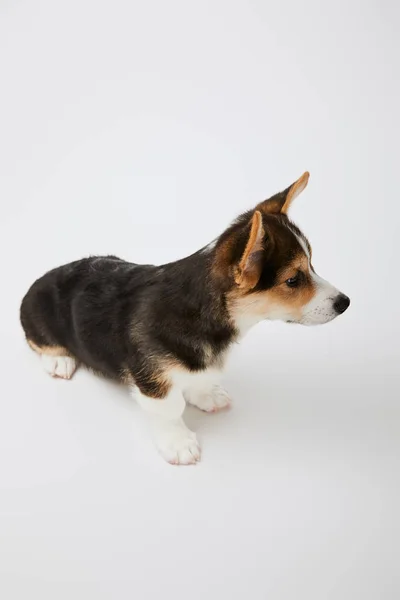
56,360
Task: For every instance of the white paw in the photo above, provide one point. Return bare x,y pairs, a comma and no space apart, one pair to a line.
178,445
59,366
212,401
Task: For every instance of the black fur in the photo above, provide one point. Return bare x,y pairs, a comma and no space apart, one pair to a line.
116,316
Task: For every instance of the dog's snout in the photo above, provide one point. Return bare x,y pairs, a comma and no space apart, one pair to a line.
341,303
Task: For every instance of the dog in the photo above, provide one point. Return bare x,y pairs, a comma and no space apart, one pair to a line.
166,331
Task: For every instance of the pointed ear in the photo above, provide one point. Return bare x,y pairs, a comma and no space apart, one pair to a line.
280,203
248,271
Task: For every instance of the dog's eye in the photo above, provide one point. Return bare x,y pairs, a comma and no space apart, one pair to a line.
293,281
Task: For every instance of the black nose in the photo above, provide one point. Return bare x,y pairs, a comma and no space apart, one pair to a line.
341,303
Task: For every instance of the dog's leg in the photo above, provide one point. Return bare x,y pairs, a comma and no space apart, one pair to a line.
174,441
210,400
59,366
56,360
206,392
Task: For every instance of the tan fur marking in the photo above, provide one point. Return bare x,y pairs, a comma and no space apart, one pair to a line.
126,377
261,304
248,271
295,190
162,380
159,379
300,263
49,350
295,300
208,353
281,202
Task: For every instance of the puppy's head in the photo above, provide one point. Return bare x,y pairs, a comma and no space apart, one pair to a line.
265,263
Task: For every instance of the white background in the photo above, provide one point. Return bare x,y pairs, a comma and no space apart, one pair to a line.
141,129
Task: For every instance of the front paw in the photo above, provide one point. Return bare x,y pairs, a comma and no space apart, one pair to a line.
211,401
178,445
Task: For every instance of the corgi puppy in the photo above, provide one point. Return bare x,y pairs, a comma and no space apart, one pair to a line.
165,331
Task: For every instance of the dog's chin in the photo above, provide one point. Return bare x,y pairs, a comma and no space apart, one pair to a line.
311,322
